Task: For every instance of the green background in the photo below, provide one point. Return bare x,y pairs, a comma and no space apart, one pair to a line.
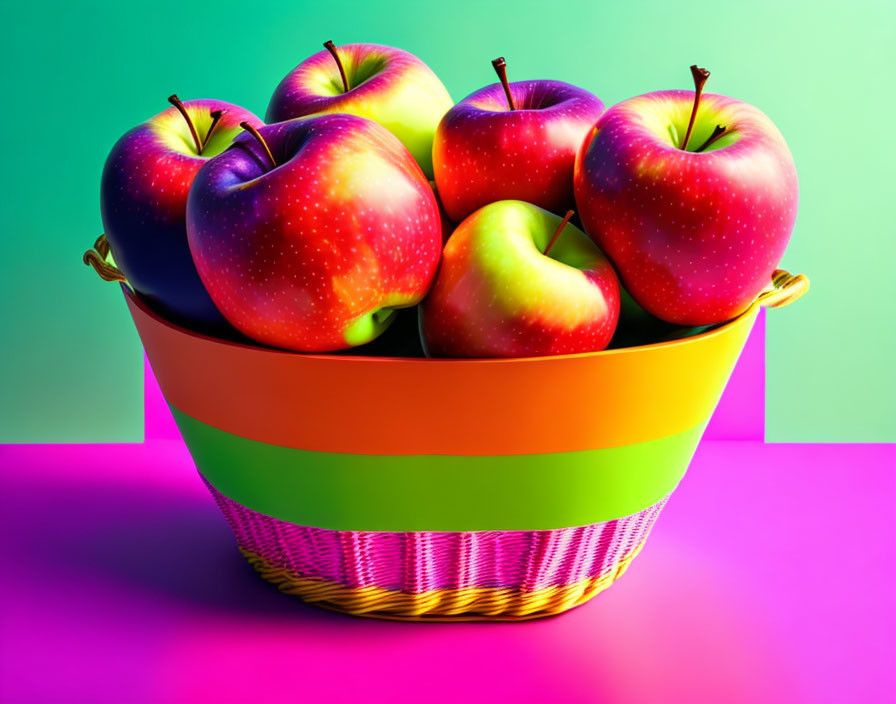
76,78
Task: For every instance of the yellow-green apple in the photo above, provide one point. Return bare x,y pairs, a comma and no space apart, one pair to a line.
143,199
384,84
693,197
402,339
517,281
512,141
308,234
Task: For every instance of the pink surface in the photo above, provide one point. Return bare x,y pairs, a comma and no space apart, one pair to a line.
740,414
769,577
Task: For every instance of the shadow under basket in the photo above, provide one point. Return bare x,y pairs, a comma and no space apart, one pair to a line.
424,489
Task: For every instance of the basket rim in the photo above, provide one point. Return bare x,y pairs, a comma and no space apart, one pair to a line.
742,319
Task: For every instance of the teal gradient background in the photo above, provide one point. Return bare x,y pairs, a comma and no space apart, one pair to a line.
76,78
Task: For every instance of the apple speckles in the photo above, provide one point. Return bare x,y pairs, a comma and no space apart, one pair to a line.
497,295
387,85
483,153
703,243
323,239
143,194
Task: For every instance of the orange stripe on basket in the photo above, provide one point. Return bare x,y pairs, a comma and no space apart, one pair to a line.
371,405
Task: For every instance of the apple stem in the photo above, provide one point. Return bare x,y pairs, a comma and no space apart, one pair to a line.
216,116
102,245
716,134
258,138
176,102
701,75
563,223
96,258
501,69
331,47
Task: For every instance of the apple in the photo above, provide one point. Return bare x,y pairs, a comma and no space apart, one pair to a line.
638,327
693,197
447,225
402,339
310,233
143,199
384,84
517,281
512,141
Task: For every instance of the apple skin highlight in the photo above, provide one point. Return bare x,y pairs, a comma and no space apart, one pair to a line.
484,152
387,85
143,200
314,254
694,236
497,295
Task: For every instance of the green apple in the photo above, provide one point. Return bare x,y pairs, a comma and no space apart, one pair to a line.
387,85
518,281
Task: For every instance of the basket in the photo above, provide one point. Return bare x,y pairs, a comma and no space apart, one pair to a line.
424,489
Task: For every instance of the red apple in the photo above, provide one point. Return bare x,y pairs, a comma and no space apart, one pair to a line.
514,141
447,225
693,197
308,234
517,281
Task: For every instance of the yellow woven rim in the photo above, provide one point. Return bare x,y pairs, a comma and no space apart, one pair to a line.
466,604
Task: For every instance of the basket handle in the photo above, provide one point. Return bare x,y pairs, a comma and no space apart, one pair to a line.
99,259
784,289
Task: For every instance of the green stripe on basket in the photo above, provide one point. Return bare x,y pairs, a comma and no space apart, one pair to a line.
399,493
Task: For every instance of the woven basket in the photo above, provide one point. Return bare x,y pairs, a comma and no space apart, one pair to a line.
422,489
439,576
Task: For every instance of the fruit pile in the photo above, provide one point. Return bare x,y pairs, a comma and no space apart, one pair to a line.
526,220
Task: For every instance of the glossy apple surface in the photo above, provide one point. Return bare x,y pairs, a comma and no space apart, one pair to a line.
694,235
447,225
316,253
143,199
498,295
387,85
484,152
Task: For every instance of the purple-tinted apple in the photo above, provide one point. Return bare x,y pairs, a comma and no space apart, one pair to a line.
692,196
310,233
512,141
517,281
143,198
387,85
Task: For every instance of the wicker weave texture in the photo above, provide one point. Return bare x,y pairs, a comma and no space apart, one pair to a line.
439,573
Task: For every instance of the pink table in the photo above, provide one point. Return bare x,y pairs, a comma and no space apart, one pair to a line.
768,578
